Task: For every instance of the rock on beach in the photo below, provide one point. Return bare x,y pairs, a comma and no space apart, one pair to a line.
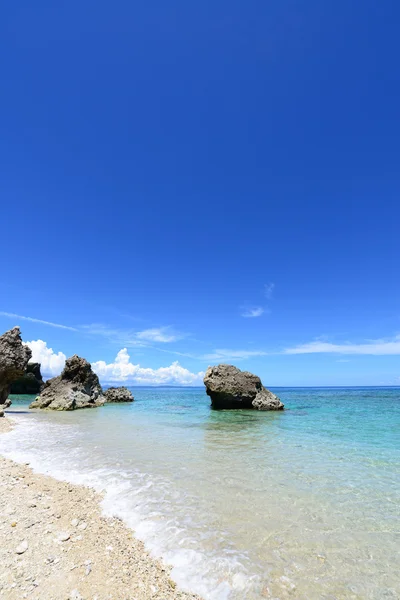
77,387
231,388
14,358
118,394
31,381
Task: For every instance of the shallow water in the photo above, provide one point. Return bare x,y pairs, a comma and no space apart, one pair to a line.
297,504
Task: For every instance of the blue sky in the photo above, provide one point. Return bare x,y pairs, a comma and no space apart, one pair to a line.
204,182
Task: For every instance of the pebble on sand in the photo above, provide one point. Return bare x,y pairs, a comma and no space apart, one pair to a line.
23,547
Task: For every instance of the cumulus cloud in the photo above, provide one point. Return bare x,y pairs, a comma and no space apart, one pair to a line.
52,363
123,370
371,347
256,311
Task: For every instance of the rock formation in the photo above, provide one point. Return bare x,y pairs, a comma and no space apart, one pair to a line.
30,383
14,357
76,387
118,394
229,387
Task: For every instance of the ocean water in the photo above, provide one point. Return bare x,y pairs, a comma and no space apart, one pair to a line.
301,504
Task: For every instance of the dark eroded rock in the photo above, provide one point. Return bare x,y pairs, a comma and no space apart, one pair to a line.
30,383
118,394
14,357
229,387
77,387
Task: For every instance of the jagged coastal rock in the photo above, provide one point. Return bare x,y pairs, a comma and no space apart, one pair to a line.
77,387
229,387
14,358
31,381
118,394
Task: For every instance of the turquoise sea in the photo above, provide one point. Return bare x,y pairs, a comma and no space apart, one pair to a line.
301,504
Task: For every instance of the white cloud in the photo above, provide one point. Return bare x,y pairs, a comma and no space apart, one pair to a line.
372,347
269,290
122,337
256,311
52,363
122,370
32,320
160,334
231,355
132,338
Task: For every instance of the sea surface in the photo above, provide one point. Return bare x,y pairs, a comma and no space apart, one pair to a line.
301,504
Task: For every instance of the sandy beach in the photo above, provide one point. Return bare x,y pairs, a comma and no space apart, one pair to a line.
56,545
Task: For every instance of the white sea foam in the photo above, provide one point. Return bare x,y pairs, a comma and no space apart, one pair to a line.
142,502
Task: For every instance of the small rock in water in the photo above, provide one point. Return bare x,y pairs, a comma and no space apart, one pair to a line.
23,547
63,537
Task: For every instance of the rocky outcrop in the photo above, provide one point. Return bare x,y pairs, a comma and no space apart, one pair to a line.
30,383
14,357
77,387
229,387
118,394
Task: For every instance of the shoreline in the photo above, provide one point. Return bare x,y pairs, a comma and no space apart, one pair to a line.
58,545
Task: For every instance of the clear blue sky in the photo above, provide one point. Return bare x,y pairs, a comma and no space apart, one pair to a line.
165,163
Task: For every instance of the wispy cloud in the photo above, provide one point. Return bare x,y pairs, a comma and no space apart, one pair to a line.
380,347
269,290
131,337
255,311
160,334
33,320
122,337
226,354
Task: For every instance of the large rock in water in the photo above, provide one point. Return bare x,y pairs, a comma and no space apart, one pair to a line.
118,394
76,387
30,383
14,357
229,387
